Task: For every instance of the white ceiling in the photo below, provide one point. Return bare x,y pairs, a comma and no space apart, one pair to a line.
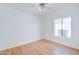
32,8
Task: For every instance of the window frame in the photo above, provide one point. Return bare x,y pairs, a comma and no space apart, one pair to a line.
60,36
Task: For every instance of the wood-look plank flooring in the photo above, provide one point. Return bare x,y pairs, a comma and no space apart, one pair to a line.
41,47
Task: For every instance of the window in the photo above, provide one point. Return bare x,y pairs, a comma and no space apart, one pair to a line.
63,27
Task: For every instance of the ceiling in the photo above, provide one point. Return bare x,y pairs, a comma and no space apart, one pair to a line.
32,8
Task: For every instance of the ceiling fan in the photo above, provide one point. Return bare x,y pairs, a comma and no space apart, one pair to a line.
42,6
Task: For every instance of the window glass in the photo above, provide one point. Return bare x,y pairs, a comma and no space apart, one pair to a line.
63,27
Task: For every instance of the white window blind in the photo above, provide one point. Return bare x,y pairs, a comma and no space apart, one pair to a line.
63,27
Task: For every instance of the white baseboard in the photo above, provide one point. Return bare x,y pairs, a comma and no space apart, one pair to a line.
67,45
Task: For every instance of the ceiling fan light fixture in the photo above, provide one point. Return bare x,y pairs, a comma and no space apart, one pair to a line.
42,6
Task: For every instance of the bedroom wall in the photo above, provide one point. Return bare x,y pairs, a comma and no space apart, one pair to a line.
69,10
17,28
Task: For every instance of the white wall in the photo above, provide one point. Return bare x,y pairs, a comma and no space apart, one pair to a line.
17,28
65,11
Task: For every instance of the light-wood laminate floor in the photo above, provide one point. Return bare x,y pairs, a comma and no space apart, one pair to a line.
41,47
